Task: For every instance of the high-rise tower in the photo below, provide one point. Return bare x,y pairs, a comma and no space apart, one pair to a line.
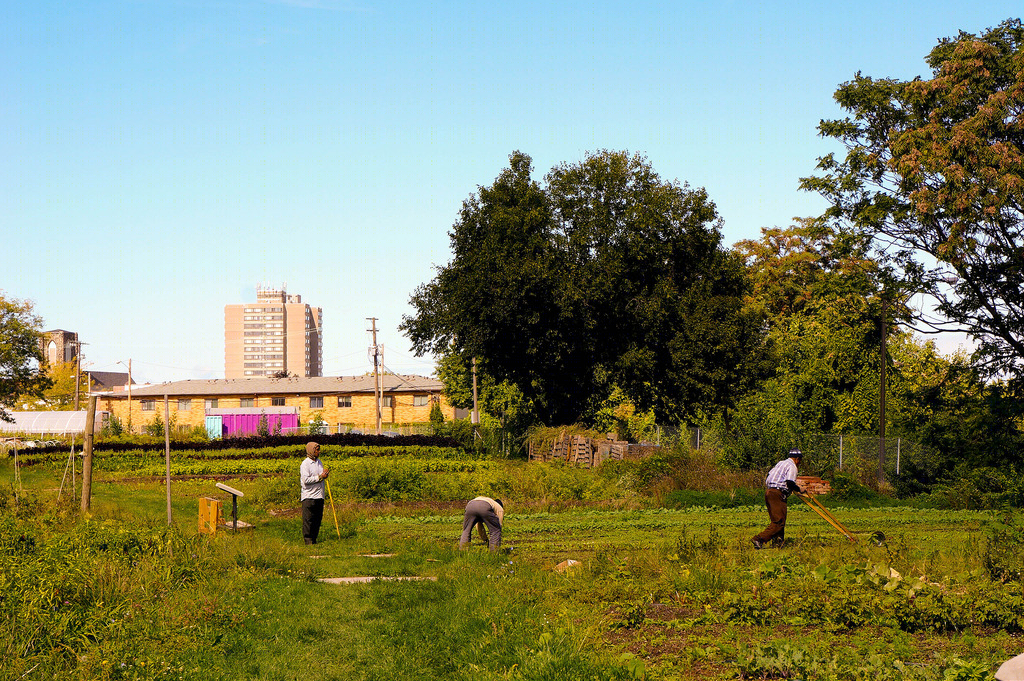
278,333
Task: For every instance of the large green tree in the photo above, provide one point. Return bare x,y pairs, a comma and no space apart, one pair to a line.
20,353
823,295
607,277
933,178
820,294
659,299
495,300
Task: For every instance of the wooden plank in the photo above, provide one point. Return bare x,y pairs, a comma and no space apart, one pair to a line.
209,515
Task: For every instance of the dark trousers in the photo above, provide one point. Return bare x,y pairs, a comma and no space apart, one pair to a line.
775,500
478,511
312,514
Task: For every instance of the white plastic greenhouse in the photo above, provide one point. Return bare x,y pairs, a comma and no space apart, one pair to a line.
51,422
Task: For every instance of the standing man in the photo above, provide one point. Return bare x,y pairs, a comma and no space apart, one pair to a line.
483,511
311,478
781,481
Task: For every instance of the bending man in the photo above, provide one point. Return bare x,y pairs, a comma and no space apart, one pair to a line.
483,511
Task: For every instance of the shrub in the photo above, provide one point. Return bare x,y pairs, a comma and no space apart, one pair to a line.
113,426
848,488
1004,552
436,416
391,481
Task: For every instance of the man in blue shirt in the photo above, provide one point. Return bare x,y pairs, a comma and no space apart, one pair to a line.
781,481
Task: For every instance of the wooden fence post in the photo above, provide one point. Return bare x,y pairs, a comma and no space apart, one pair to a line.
90,424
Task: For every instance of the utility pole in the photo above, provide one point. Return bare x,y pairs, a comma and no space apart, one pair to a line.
376,369
881,403
90,426
476,409
167,453
78,371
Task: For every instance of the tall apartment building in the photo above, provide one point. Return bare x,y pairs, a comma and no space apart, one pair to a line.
276,333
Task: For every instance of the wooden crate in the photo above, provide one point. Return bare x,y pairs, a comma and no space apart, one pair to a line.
209,515
813,485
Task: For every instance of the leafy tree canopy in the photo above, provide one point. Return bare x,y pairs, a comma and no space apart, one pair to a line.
60,394
20,353
607,276
933,180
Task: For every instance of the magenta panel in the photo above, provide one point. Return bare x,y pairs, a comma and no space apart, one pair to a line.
248,424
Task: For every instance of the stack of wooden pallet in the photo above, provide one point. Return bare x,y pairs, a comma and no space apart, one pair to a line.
579,450
813,485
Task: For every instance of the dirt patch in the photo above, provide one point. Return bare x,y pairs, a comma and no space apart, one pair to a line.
161,478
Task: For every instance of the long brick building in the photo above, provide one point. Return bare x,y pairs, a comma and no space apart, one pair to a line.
342,402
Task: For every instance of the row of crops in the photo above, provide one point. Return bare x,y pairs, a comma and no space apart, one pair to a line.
241,460
392,472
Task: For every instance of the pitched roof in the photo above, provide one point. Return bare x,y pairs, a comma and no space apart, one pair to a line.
108,380
315,385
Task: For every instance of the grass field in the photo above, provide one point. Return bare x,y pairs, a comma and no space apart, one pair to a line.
656,594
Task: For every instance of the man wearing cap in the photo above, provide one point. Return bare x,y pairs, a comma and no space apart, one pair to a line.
483,511
311,478
781,481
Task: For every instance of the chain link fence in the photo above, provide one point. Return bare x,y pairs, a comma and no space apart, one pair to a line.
825,454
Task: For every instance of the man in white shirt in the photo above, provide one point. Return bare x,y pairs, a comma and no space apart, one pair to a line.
780,482
483,511
311,478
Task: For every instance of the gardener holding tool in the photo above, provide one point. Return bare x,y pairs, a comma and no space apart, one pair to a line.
781,481
480,512
312,475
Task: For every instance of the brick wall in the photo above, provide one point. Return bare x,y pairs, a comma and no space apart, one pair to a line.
361,413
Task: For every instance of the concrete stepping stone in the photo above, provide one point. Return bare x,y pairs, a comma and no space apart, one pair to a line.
363,580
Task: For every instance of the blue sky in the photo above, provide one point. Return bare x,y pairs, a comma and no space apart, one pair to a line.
162,158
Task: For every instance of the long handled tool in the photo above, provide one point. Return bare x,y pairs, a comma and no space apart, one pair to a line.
826,515
878,538
331,497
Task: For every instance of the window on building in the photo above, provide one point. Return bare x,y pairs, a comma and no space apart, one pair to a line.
345,401
148,405
211,404
184,405
420,400
276,401
388,401
316,402
247,402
